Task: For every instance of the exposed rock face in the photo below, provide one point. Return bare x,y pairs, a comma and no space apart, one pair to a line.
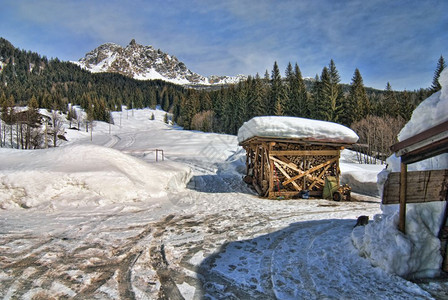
145,62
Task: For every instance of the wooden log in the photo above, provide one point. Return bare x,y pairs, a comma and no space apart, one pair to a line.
311,170
320,176
286,164
277,165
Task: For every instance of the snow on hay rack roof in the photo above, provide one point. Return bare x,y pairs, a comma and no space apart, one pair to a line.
296,129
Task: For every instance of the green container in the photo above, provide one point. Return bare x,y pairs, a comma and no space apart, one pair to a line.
330,187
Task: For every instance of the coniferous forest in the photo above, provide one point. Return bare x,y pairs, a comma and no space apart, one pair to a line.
29,79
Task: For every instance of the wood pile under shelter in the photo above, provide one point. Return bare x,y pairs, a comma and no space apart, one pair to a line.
293,165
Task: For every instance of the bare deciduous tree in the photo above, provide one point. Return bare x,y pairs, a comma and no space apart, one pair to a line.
57,128
377,134
203,121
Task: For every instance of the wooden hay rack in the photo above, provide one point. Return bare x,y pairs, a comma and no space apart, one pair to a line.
290,168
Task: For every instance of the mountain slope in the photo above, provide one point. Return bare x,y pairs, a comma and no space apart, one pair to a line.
145,63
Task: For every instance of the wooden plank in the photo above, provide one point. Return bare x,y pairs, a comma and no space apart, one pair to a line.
422,136
422,186
316,180
290,165
257,166
277,165
304,141
293,194
433,148
305,152
320,176
311,170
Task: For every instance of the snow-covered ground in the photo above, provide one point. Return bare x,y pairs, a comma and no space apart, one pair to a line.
102,219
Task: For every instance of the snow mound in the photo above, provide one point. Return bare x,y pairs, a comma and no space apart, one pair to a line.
292,127
83,175
362,178
416,254
431,112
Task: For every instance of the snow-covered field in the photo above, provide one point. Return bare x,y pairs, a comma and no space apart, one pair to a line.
102,219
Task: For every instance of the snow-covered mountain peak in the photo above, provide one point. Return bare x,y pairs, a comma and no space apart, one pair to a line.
145,63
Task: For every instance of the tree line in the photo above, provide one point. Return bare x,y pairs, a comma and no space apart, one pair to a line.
57,86
376,115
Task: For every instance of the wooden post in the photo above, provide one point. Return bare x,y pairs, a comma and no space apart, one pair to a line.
403,179
248,154
271,169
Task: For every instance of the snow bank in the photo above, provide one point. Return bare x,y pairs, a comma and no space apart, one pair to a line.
83,175
431,112
362,178
291,127
416,254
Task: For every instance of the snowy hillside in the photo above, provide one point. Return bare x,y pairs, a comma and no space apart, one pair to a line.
102,219
146,63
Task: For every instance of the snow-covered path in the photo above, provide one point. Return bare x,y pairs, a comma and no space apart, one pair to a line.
213,240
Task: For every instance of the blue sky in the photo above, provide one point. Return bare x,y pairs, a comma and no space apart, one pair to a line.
388,41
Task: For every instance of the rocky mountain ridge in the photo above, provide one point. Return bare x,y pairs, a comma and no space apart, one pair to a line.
146,63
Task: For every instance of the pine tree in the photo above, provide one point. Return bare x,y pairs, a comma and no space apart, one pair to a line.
356,104
334,93
291,92
314,99
406,105
435,82
259,91
165,102
276,99
299,105
322,96
390,103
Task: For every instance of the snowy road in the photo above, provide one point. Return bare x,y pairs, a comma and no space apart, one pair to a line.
213,240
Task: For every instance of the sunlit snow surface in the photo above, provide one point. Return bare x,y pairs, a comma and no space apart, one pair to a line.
103,220
300,128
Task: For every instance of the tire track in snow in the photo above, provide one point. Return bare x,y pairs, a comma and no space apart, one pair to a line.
66,259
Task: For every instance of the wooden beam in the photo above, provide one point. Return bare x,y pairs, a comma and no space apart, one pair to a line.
311,170
290,165
403,183
432,149
303,141
320,176
422,136
305,152
277,165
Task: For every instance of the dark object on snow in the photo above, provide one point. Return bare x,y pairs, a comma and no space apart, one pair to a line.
362,221
62,137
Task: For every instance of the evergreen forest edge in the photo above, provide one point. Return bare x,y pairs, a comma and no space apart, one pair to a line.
29,79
